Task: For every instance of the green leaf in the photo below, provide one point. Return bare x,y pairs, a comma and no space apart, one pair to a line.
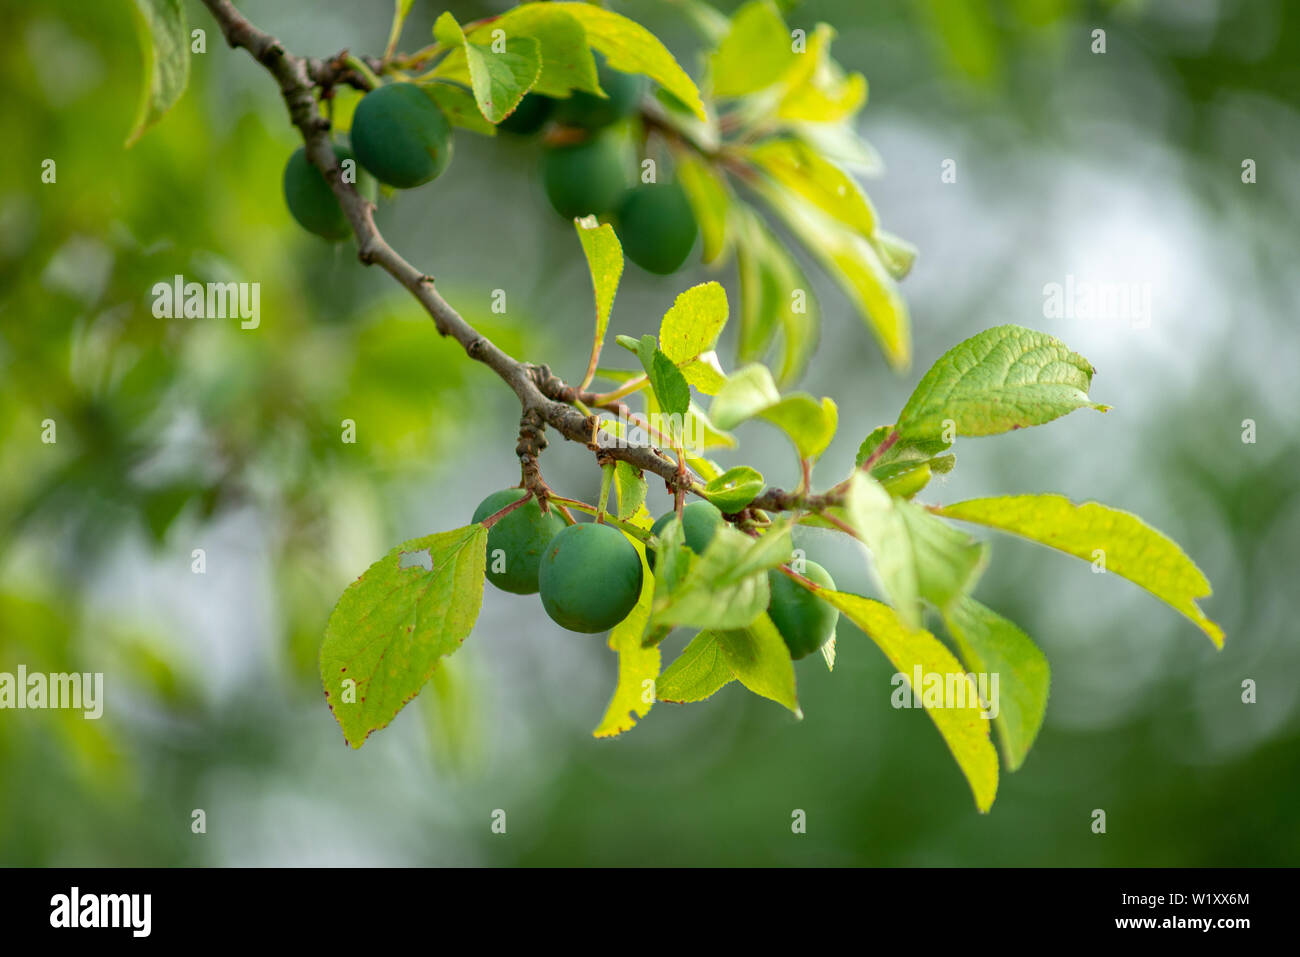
695,674
750,392
774,294
632,48
710,199
756,655
605,261
1132,549
897,254
704,372
630,484
908,464
447,31
734,489
636,666
692,326
567,63
855,266
459,106
669,385
1004,378
964,729
799,169
726,587
760,660
756,52
707,435
817,89
915,555
164,38
990,644
499,80
809,423
392,624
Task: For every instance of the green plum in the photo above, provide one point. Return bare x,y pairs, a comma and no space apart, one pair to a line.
309,197
529,116
400,136
804,620
516,541
700,520
586,178
657,227
591,112
590,578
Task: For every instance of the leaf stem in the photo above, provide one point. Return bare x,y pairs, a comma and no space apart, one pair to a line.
498,515
624,526
629,387
606,480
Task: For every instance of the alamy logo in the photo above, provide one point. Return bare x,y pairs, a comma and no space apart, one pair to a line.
179,299
59,690
102,910
659,429
1099,301
955,689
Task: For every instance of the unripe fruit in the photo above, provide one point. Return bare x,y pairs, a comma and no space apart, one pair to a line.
516,541
529,116
700,520
590,578
586,178
591,112
401,136
804,620
309,197
657,227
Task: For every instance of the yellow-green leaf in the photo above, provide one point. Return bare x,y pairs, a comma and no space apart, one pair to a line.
817,89
692,325
774,293
710,198
915,555
1003,378
750,392
1129,547
631,487
695,674
756,52
854,264
799,169
965,730
991,645
638,667
605,261
759,659
632,48
735,488
567,63
164,38
392,625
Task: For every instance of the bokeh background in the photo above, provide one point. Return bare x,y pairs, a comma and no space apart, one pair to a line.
182,434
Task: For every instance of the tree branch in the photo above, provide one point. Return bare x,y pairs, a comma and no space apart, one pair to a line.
541,395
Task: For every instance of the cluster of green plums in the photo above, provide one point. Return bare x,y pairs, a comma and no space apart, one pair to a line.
589,575
587,170
401,138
